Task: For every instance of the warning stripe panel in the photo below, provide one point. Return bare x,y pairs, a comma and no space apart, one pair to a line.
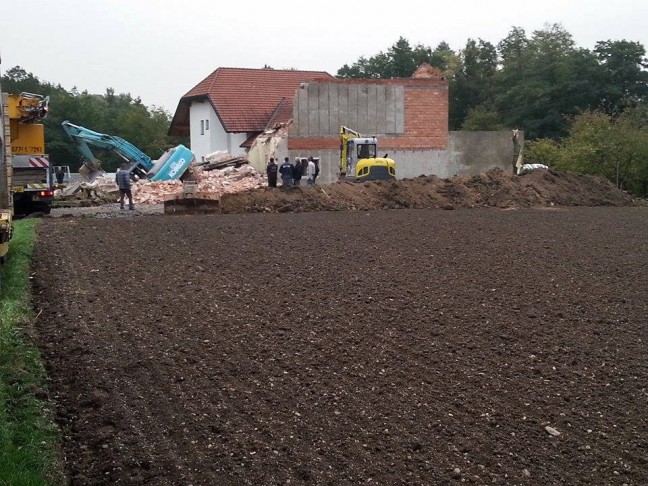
36,186
39,162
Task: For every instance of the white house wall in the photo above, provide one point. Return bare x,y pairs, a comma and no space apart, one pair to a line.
205,140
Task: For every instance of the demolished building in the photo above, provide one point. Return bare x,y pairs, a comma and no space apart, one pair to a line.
408,115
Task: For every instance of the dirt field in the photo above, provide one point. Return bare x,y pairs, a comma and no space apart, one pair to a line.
381,347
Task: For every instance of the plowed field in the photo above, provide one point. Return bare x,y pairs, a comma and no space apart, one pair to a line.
382,347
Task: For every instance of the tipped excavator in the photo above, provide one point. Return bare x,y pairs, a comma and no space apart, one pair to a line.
169,167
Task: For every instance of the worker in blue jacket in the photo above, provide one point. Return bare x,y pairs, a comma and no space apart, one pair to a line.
286,171
122,179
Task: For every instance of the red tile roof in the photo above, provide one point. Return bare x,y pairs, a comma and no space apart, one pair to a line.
246,100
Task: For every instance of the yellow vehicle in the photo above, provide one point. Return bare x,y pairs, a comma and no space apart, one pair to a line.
358,161
32,186
6,200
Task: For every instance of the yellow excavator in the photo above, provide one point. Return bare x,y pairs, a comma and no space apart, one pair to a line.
358,161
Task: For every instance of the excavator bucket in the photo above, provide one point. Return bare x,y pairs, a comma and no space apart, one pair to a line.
190,201
91,170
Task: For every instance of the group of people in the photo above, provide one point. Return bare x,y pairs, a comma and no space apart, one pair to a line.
292,174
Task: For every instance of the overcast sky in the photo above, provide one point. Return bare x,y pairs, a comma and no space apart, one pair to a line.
159,49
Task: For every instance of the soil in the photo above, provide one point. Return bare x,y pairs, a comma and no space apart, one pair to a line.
376,347
495,188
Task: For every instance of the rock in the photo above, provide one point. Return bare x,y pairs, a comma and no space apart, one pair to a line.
526,473
552,431
456,473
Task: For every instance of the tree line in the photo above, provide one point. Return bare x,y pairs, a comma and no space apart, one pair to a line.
580,109
583,110
110,113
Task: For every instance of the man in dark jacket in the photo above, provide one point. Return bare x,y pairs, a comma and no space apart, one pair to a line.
298,171
271,171
286,171
122,178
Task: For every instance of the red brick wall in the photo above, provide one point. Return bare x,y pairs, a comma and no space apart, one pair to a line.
425,117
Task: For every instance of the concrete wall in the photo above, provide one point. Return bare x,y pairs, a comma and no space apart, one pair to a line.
320,109
475,152
468,153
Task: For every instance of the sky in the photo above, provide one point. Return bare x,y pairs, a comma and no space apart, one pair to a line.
160,49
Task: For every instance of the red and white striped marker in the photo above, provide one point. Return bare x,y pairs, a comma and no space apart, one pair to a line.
39,162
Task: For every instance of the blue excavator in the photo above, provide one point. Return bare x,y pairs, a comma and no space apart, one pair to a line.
169,167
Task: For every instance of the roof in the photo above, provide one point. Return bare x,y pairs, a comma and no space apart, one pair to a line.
245,100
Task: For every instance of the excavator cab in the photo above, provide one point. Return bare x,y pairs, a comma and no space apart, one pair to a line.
362,163
358,158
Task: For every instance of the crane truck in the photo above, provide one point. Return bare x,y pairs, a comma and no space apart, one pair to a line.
358,161
170,166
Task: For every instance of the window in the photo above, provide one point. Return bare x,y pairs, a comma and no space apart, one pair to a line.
366,150
206,125
202,127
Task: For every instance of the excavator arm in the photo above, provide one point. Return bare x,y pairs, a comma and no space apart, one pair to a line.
170,166
346,134
83,138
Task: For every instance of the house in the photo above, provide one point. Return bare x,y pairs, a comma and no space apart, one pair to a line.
235,110
229,108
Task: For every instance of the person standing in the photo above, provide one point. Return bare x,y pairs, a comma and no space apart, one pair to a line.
271,171
60,175
298,172
316,161
310,172
286,171
122,178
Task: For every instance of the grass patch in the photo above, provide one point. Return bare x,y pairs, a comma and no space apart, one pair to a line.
28,438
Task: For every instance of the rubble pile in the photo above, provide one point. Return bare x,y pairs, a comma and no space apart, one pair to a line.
221,181
101,191
229,180
153,192
220,160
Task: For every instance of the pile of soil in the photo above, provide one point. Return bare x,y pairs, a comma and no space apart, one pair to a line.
495,188
411,347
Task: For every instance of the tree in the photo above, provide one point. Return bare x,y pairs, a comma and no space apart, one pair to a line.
626,79
483,118
471,87
111,113
599,144
400,61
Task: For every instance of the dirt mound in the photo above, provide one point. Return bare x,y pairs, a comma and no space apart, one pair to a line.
495,188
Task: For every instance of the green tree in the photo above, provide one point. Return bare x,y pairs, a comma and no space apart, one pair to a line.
400,61
483,118
532,78
110,113
599,144
471,87
624,70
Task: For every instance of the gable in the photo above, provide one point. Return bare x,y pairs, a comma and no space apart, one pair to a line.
245,100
